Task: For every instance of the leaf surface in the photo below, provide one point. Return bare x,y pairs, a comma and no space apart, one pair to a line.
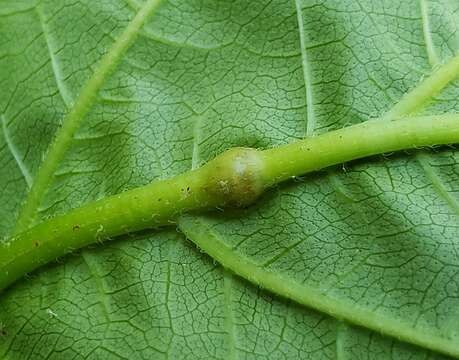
378,236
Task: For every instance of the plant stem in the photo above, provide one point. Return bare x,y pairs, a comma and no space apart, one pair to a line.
235,178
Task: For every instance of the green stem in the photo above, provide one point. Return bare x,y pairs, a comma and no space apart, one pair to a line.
75,116
236,177
358,141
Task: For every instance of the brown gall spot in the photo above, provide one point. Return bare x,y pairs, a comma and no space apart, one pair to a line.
235,176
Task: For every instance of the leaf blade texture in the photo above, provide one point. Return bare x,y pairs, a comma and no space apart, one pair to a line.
203,76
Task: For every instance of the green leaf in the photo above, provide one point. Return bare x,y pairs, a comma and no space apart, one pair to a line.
372,240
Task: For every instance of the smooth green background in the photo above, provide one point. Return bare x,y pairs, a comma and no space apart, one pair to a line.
204,76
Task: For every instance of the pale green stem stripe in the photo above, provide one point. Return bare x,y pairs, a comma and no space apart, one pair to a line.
426,90
235,177
210,242
74,117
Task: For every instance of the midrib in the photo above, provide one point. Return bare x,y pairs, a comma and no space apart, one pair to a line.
81,106
74,117
213,244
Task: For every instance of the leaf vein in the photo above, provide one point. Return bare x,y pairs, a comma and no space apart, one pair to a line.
198,230
229,316
99,284
430,48
307,75
14,151
74,117
64,91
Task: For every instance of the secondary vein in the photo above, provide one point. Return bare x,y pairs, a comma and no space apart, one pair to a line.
17,157
422,94
427,90
431,53
205,238
74,117
63,89
229,316
311,120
